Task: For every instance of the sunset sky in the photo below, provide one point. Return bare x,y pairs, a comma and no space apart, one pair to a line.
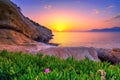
72,15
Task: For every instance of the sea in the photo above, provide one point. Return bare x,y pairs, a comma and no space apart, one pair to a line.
87,39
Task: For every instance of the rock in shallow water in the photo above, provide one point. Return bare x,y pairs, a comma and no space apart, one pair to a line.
11,19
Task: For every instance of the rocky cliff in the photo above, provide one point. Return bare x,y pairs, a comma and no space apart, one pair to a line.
15,28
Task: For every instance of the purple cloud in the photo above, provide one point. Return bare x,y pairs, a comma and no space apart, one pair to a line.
113,18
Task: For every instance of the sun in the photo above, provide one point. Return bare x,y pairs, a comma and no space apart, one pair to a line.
60,30
60,27
61,22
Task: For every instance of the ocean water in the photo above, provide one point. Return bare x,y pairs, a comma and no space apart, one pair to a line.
87,39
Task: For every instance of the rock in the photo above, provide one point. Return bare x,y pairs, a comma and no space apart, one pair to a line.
115,55
116,50
13,22
75,52
12,37
112,56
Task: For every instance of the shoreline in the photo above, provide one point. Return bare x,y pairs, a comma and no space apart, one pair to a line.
78,53
36,47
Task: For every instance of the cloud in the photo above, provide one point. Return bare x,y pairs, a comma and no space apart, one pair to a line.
114,18
110,6
48,6
95,11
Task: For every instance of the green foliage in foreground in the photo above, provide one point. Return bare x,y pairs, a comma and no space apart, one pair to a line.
18,66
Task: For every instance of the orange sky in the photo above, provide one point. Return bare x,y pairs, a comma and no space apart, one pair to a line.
62,21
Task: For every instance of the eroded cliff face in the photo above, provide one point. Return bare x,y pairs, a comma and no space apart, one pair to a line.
16,28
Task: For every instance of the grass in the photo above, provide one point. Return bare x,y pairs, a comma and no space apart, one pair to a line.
18,66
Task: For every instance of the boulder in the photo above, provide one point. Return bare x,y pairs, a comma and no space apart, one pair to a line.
78,53
13,22
110,55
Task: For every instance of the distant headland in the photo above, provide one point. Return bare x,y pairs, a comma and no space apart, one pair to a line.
113,29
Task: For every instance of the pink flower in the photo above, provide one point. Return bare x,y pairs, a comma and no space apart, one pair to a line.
47,70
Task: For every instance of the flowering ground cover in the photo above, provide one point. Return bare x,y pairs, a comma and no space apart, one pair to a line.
19,66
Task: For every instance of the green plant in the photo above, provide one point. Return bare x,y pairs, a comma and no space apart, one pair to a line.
19,66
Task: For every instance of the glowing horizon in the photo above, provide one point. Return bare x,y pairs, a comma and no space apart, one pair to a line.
72,15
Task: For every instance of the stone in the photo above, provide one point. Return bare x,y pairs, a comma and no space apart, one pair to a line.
110,55
78,53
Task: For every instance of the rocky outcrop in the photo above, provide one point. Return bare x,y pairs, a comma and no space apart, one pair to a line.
13,25
75,52
78,53
112,56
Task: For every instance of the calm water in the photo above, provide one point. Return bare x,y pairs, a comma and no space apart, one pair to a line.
88,39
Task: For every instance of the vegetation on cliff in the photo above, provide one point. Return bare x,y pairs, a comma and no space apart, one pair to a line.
19,66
